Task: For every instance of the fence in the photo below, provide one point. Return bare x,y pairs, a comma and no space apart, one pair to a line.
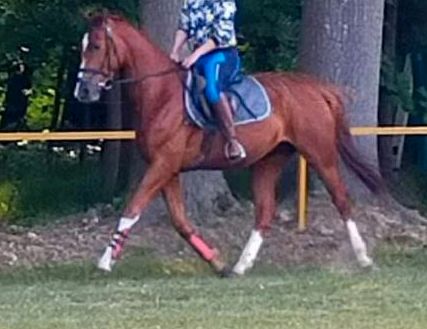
68,136
302,203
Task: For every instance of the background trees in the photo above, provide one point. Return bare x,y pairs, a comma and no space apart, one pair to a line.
338,41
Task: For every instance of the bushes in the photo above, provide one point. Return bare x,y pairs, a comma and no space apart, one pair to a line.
270,29
35,184
8,200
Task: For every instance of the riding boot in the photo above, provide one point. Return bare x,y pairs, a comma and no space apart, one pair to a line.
233,149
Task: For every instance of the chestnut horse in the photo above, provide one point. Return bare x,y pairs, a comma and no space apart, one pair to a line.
307,114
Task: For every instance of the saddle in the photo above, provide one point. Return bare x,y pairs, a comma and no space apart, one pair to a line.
247,97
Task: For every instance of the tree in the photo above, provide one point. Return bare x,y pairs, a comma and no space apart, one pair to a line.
205,192
341,43
387,108
38,26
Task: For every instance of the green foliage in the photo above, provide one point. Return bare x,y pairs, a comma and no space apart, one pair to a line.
44,26
412,24
397,85
8,200
48,30
35,184
270,29
2,95
411,39
39,115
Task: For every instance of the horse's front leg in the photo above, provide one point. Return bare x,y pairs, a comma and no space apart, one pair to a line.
265,175
174,200
157,175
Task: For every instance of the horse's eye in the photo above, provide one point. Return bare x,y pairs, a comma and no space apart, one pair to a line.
94,47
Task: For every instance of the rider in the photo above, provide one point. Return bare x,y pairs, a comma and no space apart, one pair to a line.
209,26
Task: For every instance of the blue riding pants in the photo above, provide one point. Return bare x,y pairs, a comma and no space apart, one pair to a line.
219,68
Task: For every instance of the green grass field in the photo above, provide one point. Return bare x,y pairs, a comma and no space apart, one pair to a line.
144,293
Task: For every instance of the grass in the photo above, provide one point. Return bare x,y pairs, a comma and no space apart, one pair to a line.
146,293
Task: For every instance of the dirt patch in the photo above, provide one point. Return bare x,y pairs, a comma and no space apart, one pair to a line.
82,237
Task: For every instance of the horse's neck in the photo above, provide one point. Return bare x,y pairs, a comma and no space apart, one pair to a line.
145,59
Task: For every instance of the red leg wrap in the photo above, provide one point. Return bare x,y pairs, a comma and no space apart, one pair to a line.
202,248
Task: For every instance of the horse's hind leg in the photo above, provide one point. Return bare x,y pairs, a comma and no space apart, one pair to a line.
173,196
326,164
265,175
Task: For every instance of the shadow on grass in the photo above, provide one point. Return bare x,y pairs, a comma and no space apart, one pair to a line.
137,265
394,255
141,264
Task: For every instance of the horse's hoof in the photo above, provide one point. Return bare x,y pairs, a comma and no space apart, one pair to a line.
106,262
228,273
373,268
104,267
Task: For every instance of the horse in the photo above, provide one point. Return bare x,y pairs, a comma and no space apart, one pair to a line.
307,117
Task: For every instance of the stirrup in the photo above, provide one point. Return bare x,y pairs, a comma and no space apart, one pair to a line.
240,156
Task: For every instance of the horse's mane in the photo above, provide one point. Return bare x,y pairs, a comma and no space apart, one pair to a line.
98,19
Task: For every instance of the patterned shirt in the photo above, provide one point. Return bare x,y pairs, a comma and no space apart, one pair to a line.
209,19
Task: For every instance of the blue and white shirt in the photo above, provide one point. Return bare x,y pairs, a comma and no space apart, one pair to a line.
209,19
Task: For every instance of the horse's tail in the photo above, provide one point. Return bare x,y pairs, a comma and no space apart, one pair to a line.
352,158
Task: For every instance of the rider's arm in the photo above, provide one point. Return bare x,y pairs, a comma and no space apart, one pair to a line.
183,31
223,32
180,39
207,47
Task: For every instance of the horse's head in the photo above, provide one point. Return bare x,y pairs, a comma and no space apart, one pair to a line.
101,58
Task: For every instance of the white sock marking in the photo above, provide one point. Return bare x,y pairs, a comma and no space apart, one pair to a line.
249,253
85,44
359,246
106,261
127,223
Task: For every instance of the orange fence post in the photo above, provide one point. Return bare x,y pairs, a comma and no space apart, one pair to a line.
356,131
302,193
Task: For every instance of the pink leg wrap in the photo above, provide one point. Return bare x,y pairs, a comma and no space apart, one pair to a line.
202,248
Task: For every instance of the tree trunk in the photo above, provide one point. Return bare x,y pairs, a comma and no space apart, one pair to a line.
387,108
206,193
111,149
341,43
58,89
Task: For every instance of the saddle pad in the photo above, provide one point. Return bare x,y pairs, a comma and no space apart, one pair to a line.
247,97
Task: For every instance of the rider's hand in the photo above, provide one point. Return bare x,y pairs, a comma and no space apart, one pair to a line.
189,61
175,57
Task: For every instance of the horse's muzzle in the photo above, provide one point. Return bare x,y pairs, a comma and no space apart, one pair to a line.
87,92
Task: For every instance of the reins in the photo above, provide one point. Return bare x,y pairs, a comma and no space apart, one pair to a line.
148,76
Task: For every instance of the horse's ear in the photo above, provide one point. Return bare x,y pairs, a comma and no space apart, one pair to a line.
88,14
105,13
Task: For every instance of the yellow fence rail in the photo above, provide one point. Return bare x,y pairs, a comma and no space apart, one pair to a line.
68,136
129,135
302,210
